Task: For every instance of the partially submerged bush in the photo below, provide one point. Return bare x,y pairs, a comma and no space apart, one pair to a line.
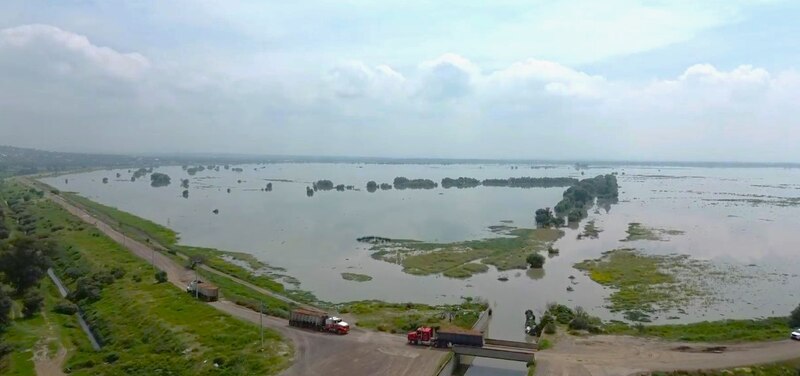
535,260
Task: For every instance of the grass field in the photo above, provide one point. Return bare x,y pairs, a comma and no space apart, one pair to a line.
145,327
403,317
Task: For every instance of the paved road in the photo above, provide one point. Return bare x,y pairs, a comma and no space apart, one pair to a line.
359,353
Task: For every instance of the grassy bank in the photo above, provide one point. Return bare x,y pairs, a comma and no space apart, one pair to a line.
145,327
768,329
458,259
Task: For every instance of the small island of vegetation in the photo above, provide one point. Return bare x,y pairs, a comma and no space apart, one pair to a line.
158,179
401,182
356,277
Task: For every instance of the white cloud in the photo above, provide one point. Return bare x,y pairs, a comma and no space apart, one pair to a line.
68,52
356,79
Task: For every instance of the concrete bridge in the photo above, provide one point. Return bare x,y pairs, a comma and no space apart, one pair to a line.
496,349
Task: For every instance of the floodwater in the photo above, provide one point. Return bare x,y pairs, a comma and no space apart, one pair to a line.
314,237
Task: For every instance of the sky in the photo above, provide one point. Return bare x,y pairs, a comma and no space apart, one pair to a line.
581,79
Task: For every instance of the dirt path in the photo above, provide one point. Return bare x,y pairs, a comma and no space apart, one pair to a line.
625,355
44,363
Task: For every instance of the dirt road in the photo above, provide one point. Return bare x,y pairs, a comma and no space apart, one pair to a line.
358,353
624,355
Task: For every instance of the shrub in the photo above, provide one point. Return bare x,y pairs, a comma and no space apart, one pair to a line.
65,307
794,318
550,328
535,260
31,303
161,276
111,357
562,313
584,321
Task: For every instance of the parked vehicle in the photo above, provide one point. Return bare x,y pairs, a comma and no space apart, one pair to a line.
796,334
445,338
203,290
318,320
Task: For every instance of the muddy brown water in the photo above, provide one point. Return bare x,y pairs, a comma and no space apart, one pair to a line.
738,218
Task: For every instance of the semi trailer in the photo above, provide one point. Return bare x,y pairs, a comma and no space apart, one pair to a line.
445,338
203,290
317,320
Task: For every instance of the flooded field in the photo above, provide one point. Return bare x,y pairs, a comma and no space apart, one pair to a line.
738,223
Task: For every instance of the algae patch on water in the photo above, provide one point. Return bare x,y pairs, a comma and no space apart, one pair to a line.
645,284
590,230
356,277
465,258
637,231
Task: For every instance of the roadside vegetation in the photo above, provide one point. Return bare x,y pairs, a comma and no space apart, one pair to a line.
144,327
577,320
463,259
404,317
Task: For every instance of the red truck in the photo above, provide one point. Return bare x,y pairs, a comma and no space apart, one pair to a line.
445,338
318,320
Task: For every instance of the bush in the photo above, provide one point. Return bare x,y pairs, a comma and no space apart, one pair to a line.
111,357
584,321
161,276
32,303
550,328
562,313
535,260
65,307
794,318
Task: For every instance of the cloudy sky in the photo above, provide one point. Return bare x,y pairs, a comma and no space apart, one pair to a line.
614,79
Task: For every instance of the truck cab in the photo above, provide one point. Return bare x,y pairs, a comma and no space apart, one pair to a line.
337,325
422,334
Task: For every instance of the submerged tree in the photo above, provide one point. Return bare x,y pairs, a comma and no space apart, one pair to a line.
185,193
535,260
185,183
158,179
309,192
372,186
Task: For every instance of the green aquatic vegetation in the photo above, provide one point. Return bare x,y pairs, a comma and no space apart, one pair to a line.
466,270
506,252
356,277
637,231
648,283
590,230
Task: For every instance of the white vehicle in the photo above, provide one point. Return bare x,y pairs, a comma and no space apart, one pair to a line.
796,334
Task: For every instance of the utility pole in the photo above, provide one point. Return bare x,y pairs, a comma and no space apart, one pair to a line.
196,289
